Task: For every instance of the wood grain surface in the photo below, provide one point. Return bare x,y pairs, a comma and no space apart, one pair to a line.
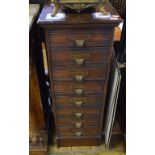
78,33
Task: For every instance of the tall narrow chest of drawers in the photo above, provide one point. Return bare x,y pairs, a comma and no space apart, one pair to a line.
79,48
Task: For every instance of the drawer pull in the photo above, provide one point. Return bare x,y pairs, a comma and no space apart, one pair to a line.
78,134
79,58
78,103
78,100
79,43
78,115
79,61
79,76
79,91
78,125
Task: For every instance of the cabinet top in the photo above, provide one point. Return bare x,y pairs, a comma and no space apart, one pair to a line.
78,19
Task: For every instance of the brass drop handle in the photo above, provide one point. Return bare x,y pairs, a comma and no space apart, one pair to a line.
79,58
79,78
78,115
79,61
78,103
79,91
78,134
79,43
78,125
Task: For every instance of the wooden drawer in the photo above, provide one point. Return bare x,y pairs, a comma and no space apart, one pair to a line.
78,101
78,58
79,38
78,110
85,45
79,89
86,121
69,37
79,74
78,132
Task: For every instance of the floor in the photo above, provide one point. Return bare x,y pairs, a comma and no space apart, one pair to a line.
116,148
87,150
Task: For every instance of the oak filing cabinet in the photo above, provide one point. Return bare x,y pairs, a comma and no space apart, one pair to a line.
79,49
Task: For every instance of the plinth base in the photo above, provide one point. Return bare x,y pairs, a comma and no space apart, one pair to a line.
86,141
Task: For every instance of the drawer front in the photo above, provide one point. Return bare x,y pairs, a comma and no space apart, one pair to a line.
79,39
86,121
79,57
79,74
91,37
78,112
78,132
78,101
79,62
78,89
84,46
